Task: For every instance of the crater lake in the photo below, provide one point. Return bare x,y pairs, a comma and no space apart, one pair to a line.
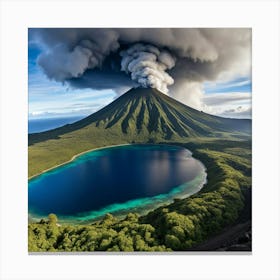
118,179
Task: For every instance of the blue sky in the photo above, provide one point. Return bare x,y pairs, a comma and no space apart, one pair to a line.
237,85
50,99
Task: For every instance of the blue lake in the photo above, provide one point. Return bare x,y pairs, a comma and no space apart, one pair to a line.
118,180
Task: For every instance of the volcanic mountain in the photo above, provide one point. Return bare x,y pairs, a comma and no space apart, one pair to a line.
139,116
149,113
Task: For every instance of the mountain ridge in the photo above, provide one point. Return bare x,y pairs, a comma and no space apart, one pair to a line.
149,111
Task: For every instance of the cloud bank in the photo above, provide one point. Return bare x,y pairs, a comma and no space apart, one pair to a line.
174,60
235,104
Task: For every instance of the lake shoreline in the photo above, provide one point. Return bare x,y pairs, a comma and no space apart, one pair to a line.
181,189
146,205
73,158
95,149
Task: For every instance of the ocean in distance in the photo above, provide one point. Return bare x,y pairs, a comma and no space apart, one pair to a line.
40,125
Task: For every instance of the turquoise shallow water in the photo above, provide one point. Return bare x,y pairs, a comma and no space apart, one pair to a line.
121,179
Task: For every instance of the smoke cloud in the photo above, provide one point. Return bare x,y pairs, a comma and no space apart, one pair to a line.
147,65
173,60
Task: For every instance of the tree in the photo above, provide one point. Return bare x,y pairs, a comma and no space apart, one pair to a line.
52,219
172,242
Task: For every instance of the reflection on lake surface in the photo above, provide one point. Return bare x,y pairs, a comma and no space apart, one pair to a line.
115,179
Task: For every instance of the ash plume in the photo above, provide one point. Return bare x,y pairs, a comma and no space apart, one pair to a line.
174,60
147,65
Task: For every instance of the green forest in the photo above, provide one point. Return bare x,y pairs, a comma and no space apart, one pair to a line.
177,226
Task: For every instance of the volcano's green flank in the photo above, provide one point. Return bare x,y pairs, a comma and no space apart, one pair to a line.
139,116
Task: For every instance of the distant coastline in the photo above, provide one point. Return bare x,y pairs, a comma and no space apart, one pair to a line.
45,124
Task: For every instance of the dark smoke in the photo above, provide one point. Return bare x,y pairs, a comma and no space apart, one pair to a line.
180,59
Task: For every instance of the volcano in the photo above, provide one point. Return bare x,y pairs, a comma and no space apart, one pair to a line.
146,113
141,115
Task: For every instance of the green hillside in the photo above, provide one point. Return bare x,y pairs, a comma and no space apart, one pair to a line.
138,116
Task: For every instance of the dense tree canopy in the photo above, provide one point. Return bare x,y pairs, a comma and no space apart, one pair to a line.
177,226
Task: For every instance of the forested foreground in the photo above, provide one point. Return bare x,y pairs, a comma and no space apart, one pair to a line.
178,226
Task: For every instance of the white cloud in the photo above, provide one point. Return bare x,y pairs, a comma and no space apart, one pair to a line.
234,104
218,85
217,99
189,93
239,112
67,104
